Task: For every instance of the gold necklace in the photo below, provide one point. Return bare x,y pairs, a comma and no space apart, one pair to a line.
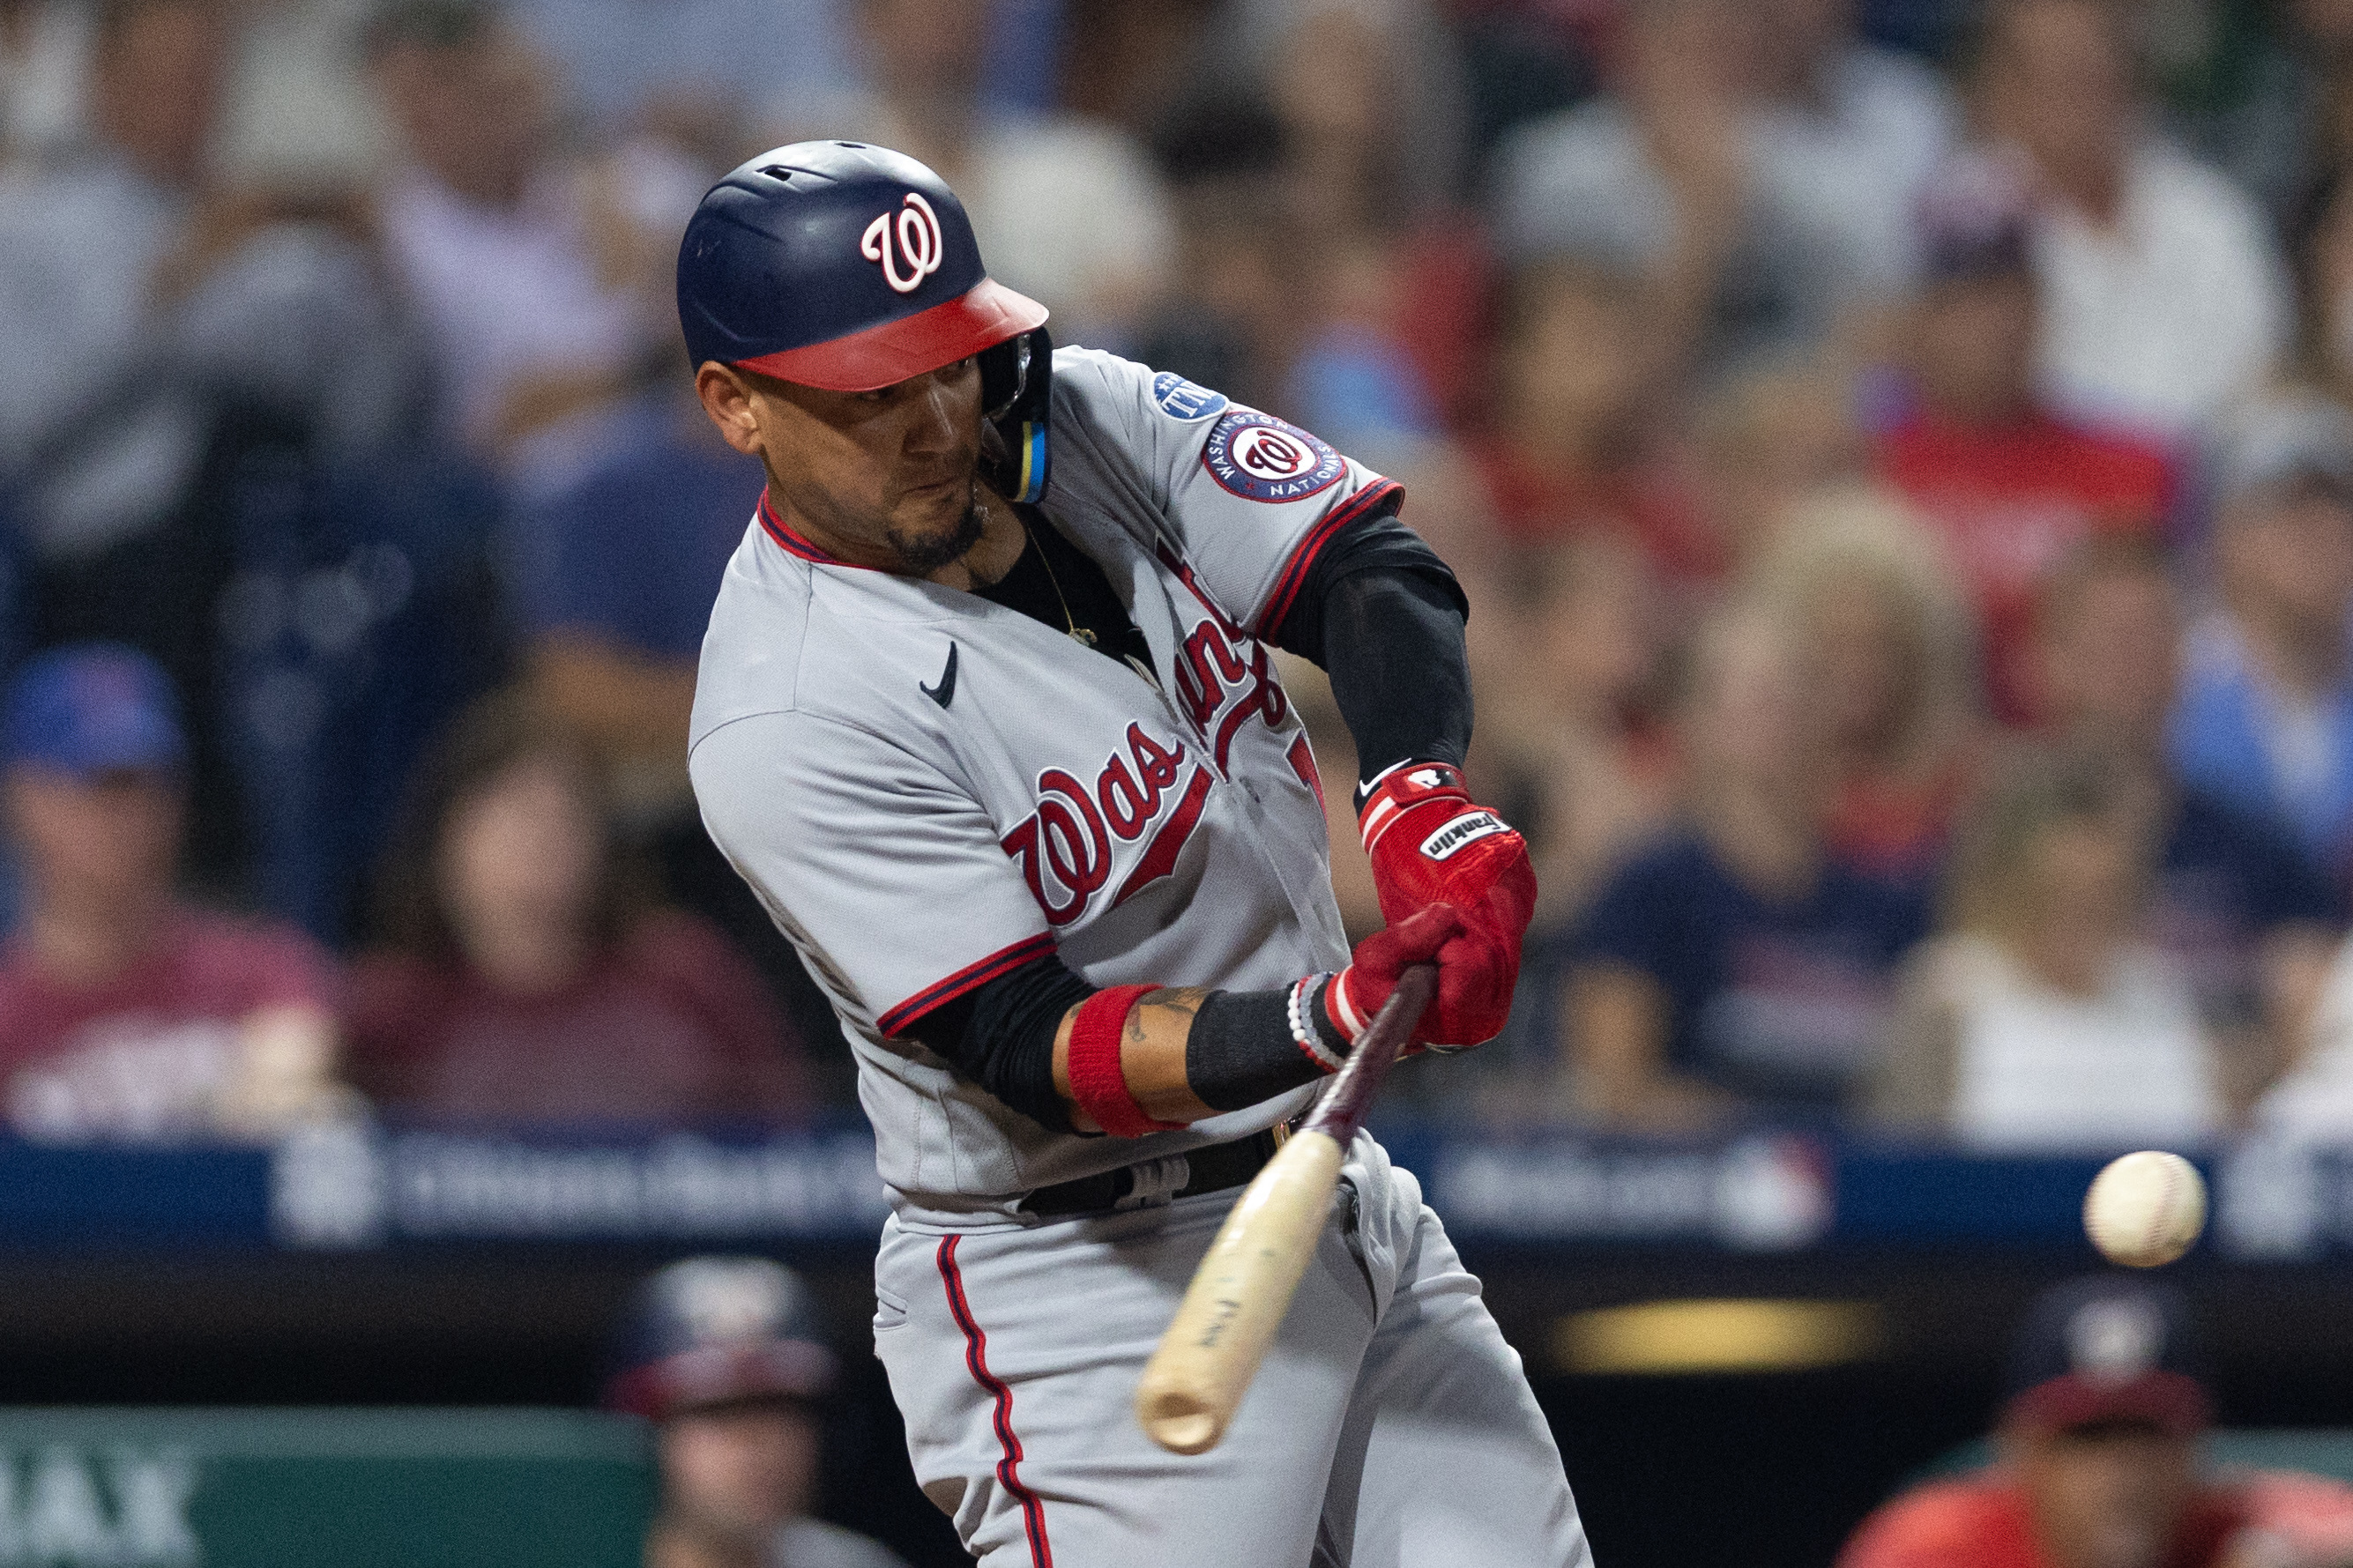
1079,634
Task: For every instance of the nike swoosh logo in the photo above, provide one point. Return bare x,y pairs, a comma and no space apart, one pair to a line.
943,693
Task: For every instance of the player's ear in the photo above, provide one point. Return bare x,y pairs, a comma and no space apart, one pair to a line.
728,401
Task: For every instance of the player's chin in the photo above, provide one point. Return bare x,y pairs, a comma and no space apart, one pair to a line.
939,529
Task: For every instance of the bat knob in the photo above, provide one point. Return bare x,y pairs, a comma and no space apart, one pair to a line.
1179,1422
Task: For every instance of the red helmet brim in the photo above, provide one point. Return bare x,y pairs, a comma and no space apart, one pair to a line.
984,315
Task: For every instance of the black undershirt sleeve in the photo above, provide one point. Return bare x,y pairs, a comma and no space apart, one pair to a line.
1240,1050
1002,1036
1384,617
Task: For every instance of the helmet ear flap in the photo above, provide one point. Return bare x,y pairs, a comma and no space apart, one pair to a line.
1016,390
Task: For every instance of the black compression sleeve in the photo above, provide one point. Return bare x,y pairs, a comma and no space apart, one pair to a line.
1241,1049
1379,544
1383,615
1002,1035
1240,1052
1399,671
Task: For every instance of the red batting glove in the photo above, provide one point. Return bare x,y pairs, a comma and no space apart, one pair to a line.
1430,845
1357,992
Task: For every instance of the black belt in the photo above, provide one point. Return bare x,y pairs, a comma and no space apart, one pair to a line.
1213,1170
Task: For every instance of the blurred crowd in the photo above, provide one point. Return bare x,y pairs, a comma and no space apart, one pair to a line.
1899,456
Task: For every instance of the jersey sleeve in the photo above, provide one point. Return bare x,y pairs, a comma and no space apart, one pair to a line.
1246,499
885,874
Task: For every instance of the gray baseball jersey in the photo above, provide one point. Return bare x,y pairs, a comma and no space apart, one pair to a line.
928,789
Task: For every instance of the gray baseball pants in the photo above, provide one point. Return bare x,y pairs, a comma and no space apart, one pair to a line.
1390,1427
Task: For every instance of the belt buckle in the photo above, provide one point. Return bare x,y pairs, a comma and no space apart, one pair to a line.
1153,1182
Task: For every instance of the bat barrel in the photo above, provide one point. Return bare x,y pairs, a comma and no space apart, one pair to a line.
1242,1289
1213,1346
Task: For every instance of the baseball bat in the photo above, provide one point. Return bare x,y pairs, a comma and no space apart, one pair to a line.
1212,1348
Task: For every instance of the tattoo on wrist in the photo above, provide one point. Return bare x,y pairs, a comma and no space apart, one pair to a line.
1170,1007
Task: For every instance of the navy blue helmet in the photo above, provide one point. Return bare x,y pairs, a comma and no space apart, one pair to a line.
843,266
713,1330
838,265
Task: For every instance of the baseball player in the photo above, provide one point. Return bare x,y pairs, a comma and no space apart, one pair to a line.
726,1357
986,716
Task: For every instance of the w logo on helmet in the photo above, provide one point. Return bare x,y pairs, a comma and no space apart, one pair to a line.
917,232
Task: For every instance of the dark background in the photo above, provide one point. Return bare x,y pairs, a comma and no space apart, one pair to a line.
1768,1470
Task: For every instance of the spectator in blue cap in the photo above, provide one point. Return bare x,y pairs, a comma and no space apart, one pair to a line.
125,1013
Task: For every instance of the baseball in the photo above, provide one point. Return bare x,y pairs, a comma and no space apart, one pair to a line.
2145,1209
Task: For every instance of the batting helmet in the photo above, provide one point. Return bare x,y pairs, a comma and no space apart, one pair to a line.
838,265
711,1331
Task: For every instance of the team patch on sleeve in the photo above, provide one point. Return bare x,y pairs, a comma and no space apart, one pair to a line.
1185,400
1260,457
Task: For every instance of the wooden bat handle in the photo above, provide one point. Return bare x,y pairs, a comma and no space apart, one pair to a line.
1240,1293
1342,1110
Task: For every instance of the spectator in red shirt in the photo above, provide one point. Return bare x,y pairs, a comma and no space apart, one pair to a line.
2099,1464
2010,485
125,1013
522,978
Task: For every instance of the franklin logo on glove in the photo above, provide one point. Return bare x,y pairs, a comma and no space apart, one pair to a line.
1458,854
1462,831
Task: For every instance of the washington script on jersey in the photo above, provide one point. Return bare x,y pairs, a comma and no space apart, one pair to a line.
1068,846
1065,848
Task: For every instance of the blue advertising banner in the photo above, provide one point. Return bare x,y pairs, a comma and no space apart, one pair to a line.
368,1186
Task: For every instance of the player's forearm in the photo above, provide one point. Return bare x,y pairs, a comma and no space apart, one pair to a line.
1186,1054
1132,1060
1175,1054
1151,1057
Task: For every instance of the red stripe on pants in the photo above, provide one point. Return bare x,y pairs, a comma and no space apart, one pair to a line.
976,1356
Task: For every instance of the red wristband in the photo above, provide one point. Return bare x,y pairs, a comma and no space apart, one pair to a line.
1098,1081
